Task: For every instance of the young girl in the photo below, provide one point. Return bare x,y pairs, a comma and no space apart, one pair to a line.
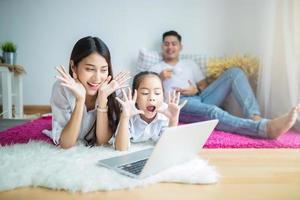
145,116
83,101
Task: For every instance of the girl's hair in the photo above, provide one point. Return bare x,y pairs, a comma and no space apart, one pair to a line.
140,76
83,48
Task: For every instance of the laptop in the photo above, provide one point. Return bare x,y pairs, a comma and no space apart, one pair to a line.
176,145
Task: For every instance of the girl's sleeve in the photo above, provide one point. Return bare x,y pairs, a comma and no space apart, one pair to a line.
61,111
163,125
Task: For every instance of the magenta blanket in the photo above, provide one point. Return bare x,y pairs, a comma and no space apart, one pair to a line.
218,139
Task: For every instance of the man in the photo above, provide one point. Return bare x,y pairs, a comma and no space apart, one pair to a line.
204,100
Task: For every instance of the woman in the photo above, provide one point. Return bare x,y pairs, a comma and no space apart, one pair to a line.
83,101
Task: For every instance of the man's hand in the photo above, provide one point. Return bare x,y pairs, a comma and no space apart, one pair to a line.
165,74
189,91
202,84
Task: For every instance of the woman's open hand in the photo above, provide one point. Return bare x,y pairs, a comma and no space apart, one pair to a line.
73,84
110,85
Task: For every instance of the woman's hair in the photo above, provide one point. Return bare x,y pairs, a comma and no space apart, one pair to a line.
83,48
140,76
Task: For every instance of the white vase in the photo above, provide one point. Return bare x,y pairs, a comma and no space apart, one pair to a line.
10,58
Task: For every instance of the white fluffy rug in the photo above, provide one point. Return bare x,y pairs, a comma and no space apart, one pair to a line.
42,164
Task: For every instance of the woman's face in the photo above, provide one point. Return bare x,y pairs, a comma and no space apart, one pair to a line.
91,72
149,96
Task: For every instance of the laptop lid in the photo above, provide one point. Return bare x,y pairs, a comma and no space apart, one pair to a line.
178,144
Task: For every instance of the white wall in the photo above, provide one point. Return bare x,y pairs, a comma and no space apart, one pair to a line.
45,31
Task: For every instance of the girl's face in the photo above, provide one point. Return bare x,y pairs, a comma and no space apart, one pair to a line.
149,96
91,72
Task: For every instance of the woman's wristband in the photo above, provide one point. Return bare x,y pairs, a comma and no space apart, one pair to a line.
104,110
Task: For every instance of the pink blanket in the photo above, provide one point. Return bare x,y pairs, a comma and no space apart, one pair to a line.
218,139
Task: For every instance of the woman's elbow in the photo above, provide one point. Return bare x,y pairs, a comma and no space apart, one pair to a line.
121,147
101,142
67,145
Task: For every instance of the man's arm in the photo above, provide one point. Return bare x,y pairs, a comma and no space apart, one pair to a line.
193,90
160,69
201,85
165,74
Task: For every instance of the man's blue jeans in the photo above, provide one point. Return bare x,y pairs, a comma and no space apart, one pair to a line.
206,105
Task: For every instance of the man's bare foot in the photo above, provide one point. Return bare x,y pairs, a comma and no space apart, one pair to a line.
256,117
280,125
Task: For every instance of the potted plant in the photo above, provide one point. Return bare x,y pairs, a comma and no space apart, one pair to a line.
9,53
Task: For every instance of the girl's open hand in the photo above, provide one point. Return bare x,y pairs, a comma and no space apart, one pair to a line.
73,84
128,104
173,110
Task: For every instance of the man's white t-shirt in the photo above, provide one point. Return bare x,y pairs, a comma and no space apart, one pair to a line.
183,71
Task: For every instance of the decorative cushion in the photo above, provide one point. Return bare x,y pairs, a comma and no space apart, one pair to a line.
147,59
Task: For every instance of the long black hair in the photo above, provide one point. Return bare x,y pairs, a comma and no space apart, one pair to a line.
83,48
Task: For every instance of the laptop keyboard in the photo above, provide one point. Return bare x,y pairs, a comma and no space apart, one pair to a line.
135,167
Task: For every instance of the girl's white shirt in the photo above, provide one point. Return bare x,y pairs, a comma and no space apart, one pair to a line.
141,131
62,104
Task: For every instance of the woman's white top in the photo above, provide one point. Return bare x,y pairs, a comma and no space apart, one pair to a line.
62,104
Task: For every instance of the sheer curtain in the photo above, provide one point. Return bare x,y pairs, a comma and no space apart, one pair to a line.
279,82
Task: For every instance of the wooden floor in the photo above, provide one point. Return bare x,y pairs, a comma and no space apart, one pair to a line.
245,174
9,123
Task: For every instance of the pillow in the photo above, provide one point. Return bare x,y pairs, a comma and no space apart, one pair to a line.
249,64
147,59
